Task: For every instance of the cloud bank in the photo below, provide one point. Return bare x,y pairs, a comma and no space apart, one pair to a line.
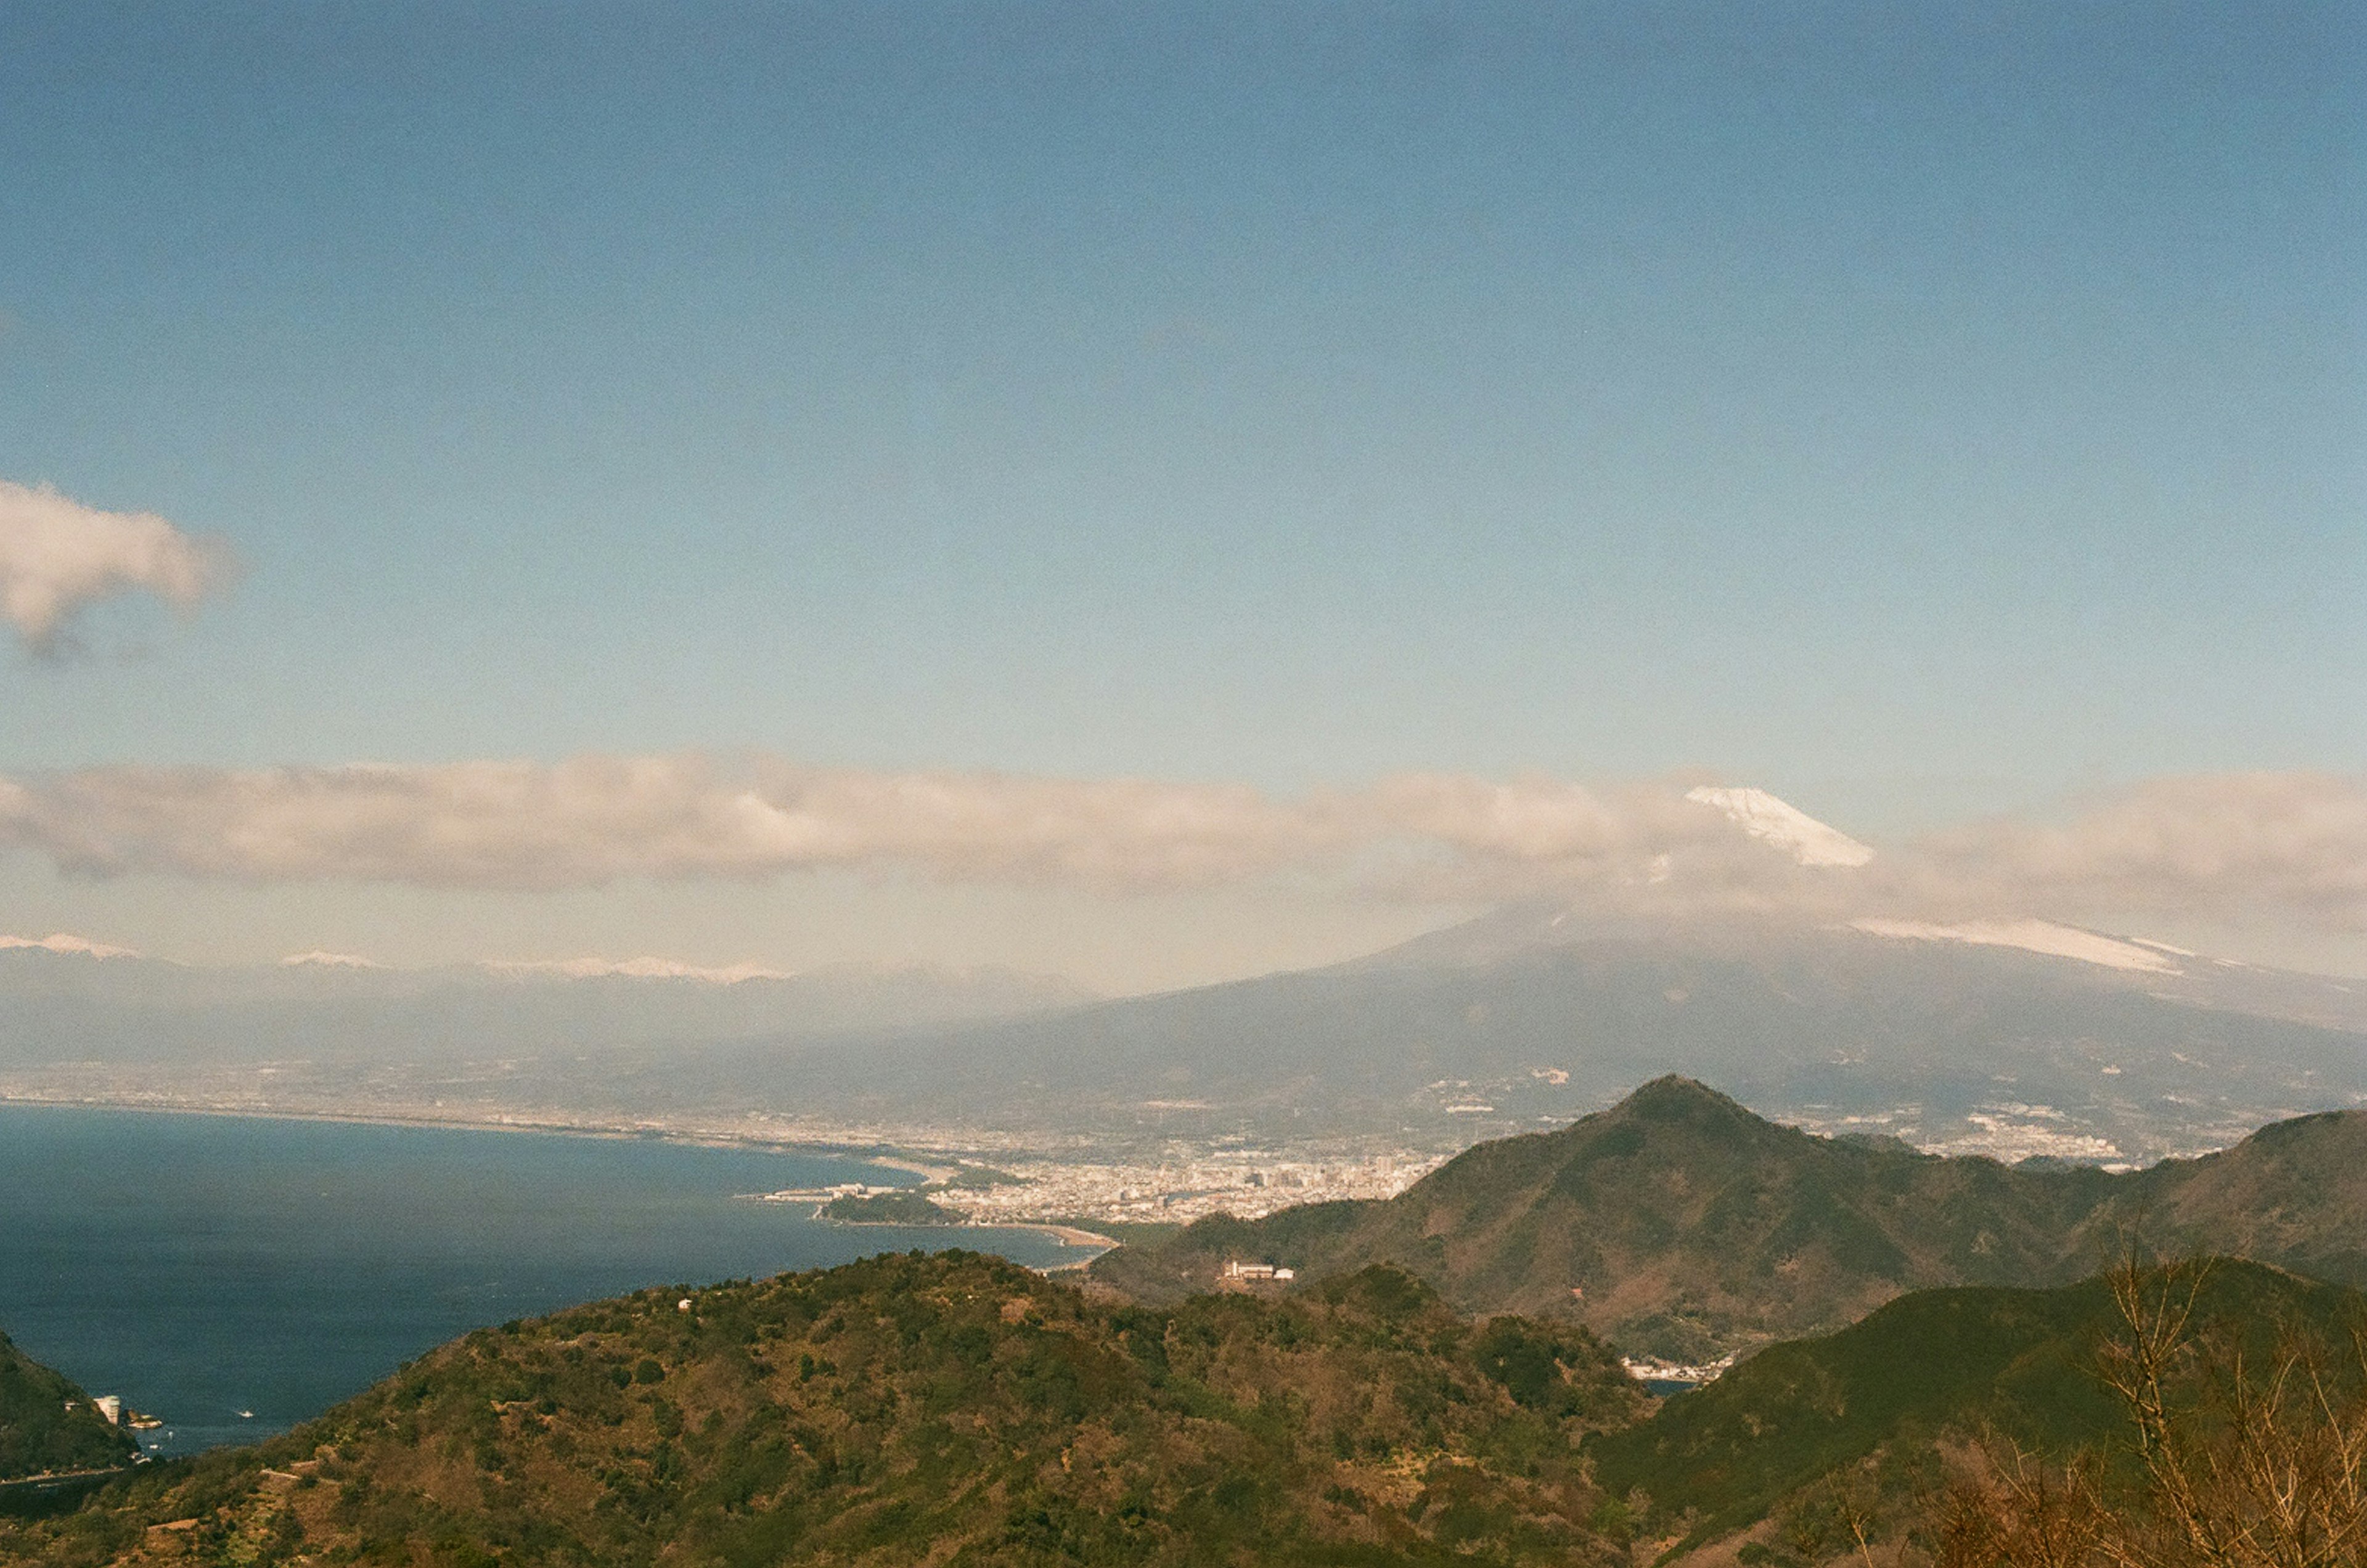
592,820
2285,847
58,555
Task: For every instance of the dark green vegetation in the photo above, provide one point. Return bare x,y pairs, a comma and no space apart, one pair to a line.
889,1209
1692,1225
958,1410
955,1409
1874,1403
950,1409
1129,1232
40,1435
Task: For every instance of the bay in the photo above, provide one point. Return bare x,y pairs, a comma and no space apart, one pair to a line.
207,1267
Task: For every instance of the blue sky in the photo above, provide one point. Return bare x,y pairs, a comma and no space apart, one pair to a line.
1917,411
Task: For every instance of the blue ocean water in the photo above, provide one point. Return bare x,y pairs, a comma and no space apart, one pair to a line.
206,1267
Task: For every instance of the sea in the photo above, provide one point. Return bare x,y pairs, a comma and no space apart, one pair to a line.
236,1275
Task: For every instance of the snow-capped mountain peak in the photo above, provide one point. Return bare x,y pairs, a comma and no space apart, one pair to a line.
320,960
1783,825
63,941
634,969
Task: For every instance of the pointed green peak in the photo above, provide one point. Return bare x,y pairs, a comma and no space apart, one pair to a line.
1674,1098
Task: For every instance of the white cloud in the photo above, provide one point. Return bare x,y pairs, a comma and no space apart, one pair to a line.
594,819
317,960
2291,848
56,555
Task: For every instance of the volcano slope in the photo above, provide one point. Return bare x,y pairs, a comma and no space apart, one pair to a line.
1679,1223
1531,1014
952,1408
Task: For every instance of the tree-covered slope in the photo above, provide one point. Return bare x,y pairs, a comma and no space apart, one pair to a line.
47,1425
1958,1366
2294,1193
951,1409
1680,1223
889,1209
1683,1221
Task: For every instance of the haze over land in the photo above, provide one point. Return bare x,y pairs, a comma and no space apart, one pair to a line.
2017,1039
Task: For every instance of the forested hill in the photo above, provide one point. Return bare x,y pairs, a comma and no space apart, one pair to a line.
956,1409
47,1425
1681,1224
909,1409
1868,1410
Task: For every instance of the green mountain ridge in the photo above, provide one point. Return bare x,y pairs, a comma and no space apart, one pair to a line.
947,1409
956,1409
1956,1365
1678,1223
1386,1409
48,1426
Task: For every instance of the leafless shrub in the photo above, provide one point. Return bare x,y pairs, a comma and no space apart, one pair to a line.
2239,1460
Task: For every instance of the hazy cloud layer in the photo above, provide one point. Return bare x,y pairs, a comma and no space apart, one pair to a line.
2281,846
56,555
593,819
2231,845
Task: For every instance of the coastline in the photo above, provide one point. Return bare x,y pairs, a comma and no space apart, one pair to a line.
463,1231
887,1157
1067,1235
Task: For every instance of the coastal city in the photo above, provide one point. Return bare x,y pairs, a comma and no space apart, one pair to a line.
1246,1185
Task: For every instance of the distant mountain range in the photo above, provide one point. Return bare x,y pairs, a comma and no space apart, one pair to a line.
2016,1039
1680,1223
67,1005
321,1032
1526,1017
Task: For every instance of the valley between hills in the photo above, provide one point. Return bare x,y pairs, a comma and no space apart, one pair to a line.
1681,1225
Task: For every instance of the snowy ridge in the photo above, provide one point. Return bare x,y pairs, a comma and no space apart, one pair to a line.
1779,823
2031,936
62,941
635,969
